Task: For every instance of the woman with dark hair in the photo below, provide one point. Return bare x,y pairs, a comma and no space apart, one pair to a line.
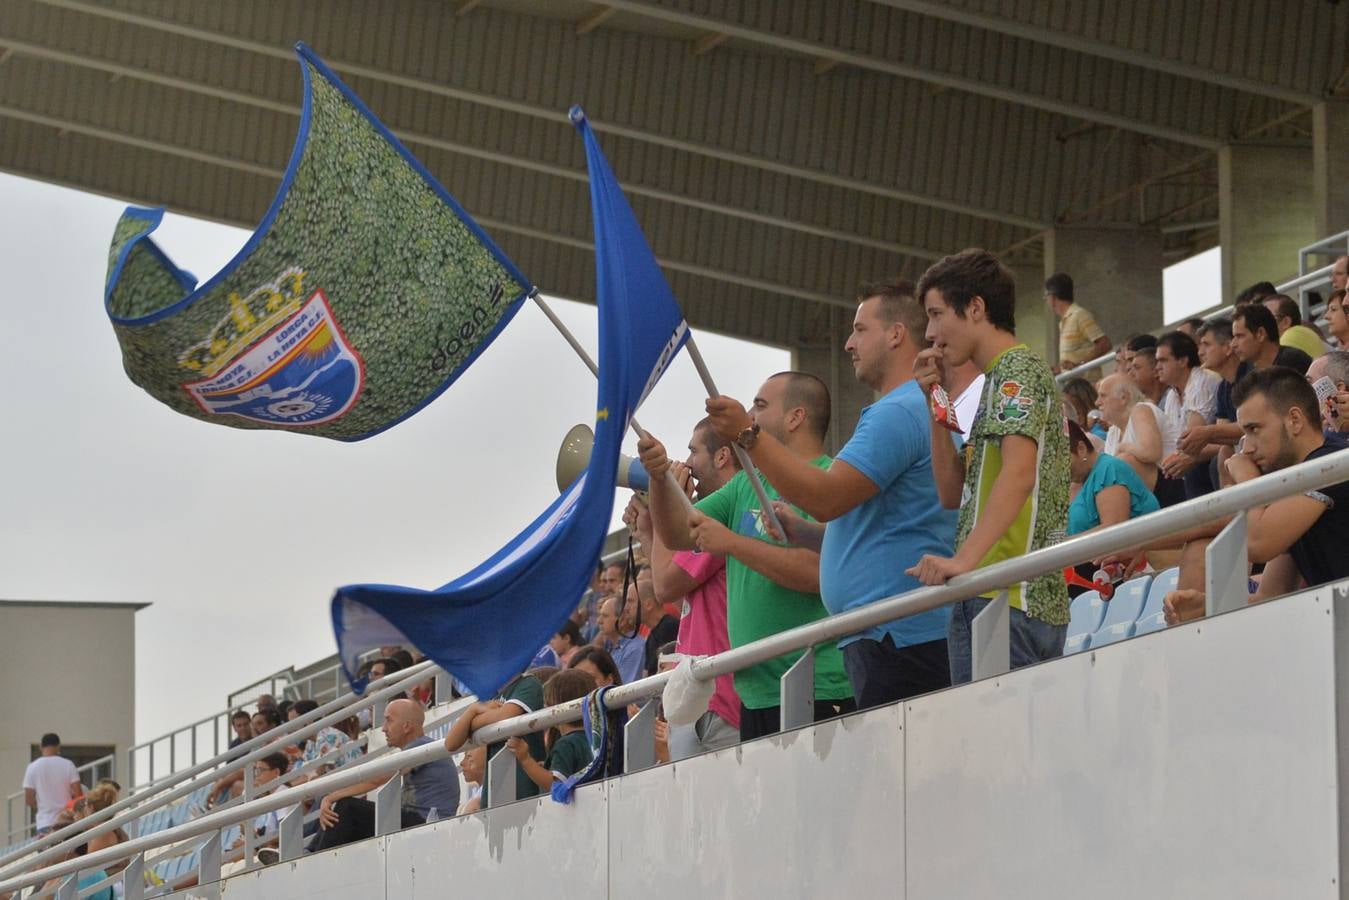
599,665
596,662
1111,492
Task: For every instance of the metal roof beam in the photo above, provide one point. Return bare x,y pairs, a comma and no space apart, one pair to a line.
1069,41
117,70
351,69
905,70
64,125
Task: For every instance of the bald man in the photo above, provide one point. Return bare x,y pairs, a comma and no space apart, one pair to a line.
345,817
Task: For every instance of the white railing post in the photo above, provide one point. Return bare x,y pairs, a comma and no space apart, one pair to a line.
208,856
1226,569
796,693
990,639
250,793
639,739
501,778
444,686
69,888
389,806
291,842
133,878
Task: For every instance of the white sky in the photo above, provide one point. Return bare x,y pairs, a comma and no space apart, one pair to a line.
1192,286
238,538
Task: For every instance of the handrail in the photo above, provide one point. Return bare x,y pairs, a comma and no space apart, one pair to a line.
1335,243
1314,277
120,813
1311,475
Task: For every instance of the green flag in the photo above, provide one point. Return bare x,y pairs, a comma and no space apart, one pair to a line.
365,291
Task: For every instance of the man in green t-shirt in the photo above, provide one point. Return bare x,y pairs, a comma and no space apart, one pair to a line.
520,696
1011,481
769,587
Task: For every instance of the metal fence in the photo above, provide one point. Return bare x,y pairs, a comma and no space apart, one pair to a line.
1226,590
17,824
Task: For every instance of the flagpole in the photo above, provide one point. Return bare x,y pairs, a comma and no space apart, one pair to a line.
740,453
594,370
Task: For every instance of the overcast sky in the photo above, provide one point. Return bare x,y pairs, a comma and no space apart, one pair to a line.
239,537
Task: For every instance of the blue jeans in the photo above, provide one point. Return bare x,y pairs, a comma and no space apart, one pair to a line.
1032,641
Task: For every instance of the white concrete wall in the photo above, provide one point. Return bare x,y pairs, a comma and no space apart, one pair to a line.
68,668
1199,762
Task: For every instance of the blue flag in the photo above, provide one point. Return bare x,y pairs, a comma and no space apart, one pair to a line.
486,626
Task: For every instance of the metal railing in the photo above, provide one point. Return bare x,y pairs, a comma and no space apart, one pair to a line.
1302,285
186,782
989,644
90,773
1336,245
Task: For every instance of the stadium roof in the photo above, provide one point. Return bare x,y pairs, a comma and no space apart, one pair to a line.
776,151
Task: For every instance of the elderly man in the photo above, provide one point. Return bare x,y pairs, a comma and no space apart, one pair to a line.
879,499
1339,274
431,787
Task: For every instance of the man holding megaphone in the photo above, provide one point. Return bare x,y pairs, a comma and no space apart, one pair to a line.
770,587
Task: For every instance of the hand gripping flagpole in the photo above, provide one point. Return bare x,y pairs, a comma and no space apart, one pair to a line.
700,364
594,370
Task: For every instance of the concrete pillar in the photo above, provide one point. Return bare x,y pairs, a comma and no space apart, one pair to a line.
825,359
1034,322
1330,167
1117,275
1265,212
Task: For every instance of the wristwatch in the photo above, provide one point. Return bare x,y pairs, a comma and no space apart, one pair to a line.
748,437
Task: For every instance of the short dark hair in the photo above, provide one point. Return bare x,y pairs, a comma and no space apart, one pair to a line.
1258,318
1142,342
305,706
899,303
1060,285
240,714
51,739
811,394
403,658
1220,328
1196,323
1255,293
278,761
270,715
570,630
1337,295
706,435
1286,308
283,708
1182,346
971,273
1284,388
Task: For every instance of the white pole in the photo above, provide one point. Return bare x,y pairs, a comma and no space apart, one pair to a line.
594,370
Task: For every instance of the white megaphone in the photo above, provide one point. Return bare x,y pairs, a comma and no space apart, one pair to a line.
573,457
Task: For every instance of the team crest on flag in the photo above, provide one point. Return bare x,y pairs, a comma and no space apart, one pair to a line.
303,372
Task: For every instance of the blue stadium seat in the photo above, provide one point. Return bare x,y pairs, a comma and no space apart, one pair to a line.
1086,614
1122,611
1151,618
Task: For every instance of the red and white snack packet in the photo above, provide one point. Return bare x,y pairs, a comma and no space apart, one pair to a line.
943,412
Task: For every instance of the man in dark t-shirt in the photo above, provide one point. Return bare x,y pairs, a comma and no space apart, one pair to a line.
1281,418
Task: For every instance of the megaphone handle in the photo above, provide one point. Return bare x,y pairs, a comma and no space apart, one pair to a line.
741,454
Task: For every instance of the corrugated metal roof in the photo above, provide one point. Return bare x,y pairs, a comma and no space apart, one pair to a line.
777,151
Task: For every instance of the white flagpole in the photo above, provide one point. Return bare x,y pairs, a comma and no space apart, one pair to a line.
594,370
741,454
700,364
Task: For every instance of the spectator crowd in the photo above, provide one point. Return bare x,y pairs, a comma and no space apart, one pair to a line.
971,454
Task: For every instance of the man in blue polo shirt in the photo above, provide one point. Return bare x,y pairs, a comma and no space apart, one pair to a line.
878,498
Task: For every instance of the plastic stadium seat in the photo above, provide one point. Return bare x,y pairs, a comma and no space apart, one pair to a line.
1122,611
1086,613
1151,618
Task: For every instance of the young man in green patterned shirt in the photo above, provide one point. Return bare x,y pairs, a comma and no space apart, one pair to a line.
1011,480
